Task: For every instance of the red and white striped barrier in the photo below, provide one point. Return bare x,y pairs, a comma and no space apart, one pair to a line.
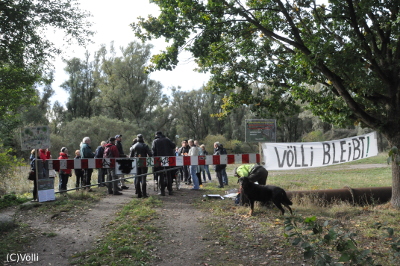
154,161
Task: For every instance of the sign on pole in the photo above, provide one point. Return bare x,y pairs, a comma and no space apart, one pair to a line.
260,130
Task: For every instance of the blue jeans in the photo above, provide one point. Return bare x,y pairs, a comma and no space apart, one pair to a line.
195,180
206,170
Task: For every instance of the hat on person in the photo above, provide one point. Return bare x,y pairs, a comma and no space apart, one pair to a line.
118,136
111,139
139,136
63,149
158,133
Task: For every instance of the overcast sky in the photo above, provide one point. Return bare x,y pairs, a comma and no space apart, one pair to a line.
111,20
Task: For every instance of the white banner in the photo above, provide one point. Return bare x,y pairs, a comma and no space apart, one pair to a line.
285,156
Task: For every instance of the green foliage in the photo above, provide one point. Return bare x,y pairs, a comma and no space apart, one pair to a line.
274,55
317,239
11,200
313,136
24,49
98,128
8,163
394,243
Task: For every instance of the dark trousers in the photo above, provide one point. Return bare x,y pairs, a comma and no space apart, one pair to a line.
164,178
87,177
112,186
35,190
185,172
63,181
199,178
219,177
141,180
79,178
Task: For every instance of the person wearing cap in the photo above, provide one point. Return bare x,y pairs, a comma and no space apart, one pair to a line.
163,146
111,151
64,174
86,153
141,149
118,143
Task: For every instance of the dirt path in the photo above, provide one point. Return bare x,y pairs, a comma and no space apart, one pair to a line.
61,236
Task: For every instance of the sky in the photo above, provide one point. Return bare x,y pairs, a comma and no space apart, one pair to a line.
111,23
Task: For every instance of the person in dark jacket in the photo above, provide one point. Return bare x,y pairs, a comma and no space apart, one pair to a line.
86,153
183,151
101,172
113,153
78,172
163,146
118,143
141,149
218,168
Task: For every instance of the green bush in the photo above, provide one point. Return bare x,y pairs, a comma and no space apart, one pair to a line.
11,200
8,165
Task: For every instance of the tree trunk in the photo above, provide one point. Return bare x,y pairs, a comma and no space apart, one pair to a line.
395,185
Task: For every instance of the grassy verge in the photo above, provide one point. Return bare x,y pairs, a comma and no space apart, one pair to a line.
17,237
129,238
369,233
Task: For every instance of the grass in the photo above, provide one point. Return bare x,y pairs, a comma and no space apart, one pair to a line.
15,237
130,238
236,238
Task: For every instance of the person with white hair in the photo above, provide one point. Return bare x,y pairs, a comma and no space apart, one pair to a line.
86,153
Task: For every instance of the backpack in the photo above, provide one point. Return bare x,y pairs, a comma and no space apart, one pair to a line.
107,152
99,153
223,151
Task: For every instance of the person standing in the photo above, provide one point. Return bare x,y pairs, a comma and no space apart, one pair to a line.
194,151
218,168
33,168
101,172
64,174
163,146
78,172
206,168
118,143
86,153
183,151
111,151
141,149
223,171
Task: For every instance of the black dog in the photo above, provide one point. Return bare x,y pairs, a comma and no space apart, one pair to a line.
256,192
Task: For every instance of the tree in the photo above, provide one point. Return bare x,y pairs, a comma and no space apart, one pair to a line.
81,87
24,49
350,49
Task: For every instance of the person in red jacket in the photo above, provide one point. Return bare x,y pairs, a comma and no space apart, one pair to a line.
64,174
111,151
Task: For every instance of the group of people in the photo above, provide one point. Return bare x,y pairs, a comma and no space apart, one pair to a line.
112,148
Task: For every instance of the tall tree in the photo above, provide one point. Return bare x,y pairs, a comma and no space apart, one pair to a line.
81,87
24,49
349,47
125,88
